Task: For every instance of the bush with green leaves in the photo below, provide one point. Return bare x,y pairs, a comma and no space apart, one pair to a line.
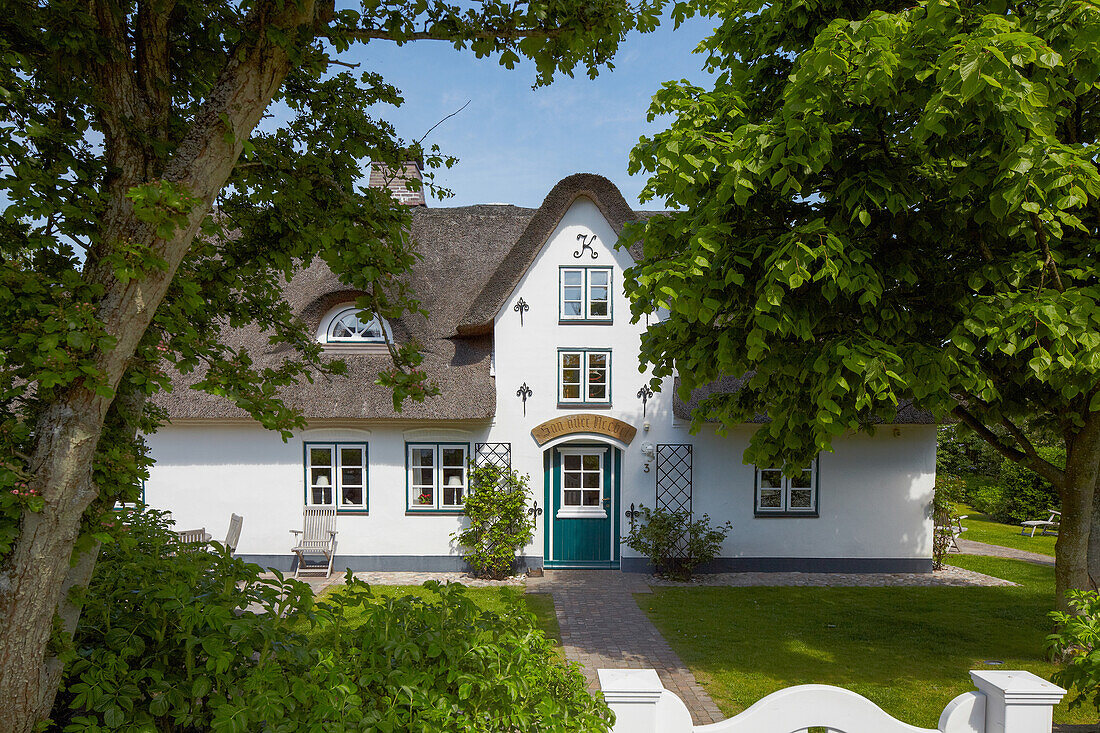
499,525
178,638
1026,494
989,498
674,542
1077,644
960,451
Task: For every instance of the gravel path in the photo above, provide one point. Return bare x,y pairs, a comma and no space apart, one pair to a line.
970,547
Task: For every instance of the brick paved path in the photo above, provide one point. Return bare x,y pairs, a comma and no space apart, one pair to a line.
602,626
970,547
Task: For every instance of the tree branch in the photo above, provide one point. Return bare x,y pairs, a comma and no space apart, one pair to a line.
152,52
425,135
1048,260
505,34
1022,440
1045,469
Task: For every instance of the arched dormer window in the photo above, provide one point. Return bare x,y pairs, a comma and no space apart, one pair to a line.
347,325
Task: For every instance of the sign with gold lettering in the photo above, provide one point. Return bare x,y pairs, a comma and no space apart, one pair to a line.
583,423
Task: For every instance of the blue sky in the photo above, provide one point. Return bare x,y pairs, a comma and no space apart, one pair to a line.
514,143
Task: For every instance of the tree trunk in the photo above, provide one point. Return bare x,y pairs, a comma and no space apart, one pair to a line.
68,430
1078,548
38,568
1083,463
1071,567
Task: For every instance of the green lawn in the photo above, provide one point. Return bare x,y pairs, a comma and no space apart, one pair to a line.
907,649
981,528
499,599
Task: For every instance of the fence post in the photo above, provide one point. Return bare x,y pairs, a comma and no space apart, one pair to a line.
1017,702
633,695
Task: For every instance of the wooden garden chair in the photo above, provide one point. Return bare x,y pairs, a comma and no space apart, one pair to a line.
233,536
193,536
948,524
316,537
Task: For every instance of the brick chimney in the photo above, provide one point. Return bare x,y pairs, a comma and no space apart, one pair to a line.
382,176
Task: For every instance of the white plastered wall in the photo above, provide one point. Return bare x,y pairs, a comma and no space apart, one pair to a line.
874,492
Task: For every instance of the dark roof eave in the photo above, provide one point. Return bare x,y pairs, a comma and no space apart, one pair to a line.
476,329
907,414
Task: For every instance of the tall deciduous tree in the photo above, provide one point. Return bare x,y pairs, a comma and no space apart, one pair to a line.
146,213
885,201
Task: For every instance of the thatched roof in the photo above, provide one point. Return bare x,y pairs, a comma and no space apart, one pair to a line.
472,257
478,319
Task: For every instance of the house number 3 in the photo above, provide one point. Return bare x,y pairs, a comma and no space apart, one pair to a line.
586,240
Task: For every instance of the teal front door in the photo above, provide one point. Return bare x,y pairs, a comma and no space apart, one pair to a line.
583,486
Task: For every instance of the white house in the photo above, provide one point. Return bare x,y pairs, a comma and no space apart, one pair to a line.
530,340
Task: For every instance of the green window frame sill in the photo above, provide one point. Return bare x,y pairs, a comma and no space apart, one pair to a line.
437,512
786,515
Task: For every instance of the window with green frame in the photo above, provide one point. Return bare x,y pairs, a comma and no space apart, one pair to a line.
584,376
437,476
336,476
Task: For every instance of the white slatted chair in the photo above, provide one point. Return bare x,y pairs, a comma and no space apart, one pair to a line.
193,536
316,537
233,536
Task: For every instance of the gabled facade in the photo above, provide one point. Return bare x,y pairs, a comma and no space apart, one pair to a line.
530,339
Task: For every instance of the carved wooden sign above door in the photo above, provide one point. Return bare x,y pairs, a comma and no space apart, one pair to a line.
583,423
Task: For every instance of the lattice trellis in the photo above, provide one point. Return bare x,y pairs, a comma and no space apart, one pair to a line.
493,454
674,477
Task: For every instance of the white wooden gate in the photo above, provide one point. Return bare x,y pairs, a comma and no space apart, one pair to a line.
1005,702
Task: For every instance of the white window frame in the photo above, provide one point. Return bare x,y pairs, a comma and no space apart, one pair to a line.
785,509
586,294
438,484
597,511
383,328
335,468
585,368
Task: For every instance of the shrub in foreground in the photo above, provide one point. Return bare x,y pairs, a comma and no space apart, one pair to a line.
1077,644
177,638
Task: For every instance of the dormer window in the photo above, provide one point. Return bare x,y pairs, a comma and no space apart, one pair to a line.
349,326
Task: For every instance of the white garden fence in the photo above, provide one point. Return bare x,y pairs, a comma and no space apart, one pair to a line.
1005,702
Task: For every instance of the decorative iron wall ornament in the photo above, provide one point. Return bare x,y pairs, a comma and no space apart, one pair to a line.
523,393
535,511
632,514
644,394
521,307
586,240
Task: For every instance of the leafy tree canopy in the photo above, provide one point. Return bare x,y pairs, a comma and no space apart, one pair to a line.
146,215
880,202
